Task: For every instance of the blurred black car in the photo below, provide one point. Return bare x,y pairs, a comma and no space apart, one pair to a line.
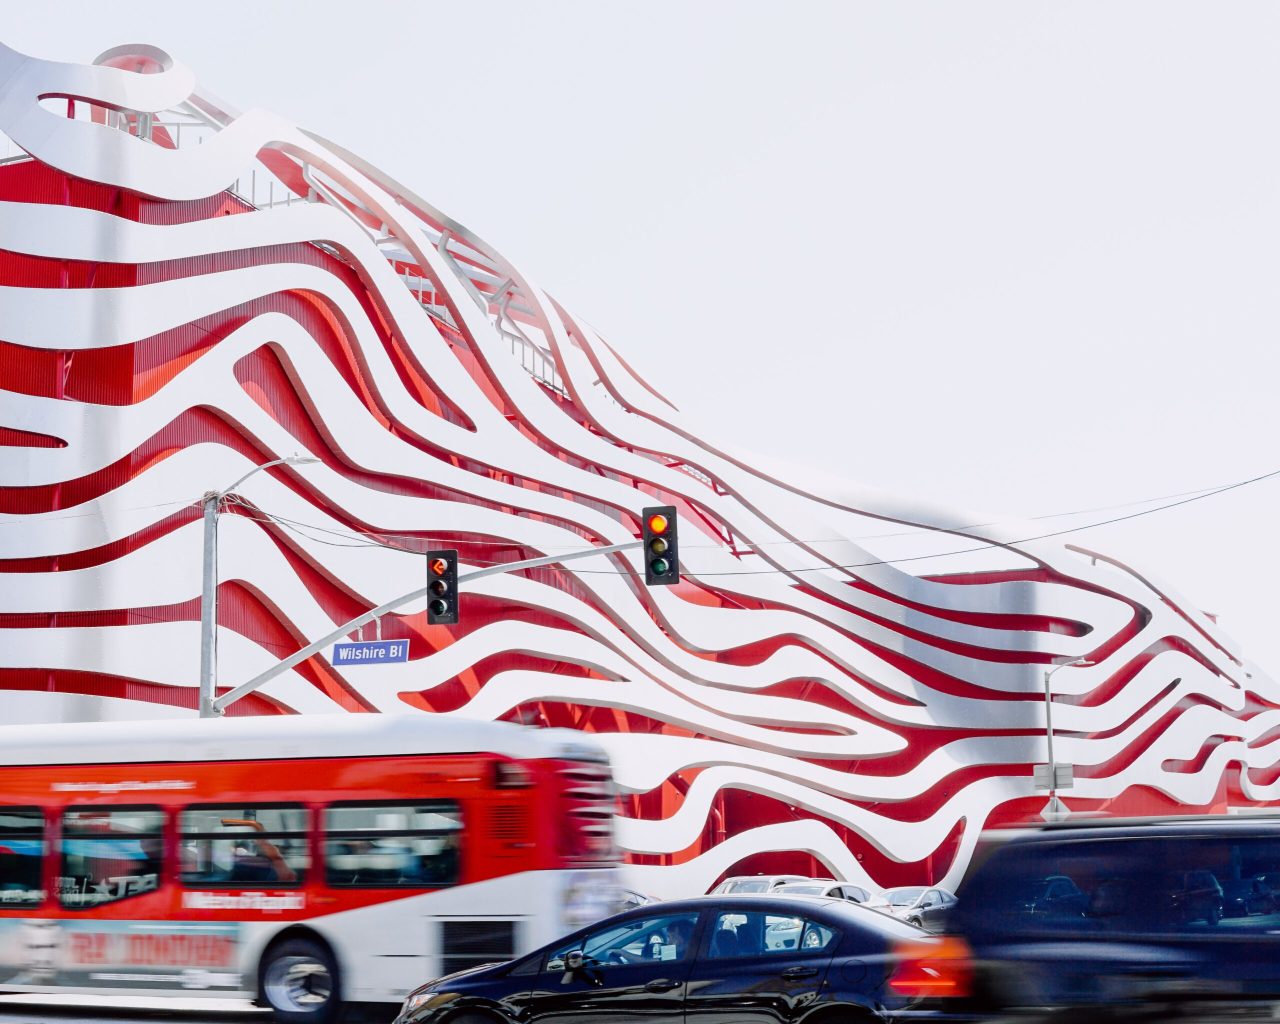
732,960
1095,913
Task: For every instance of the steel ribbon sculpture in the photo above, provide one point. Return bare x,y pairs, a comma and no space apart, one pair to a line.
189,291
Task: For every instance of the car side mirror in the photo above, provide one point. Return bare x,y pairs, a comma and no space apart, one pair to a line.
573,960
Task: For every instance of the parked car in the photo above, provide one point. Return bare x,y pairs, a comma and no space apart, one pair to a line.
824,887
1055,895
1244,897
710,958
1196,896
923,906
1150,929
754,883
627,899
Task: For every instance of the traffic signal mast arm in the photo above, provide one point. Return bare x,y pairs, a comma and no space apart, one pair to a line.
244,689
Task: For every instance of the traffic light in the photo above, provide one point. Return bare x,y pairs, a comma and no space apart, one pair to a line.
661,552
442,587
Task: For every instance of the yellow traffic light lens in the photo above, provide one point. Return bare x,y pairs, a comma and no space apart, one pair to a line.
658,524
658,546
438,587
439,566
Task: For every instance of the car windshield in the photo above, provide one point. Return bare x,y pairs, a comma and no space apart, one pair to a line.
802,890
902,897
749,885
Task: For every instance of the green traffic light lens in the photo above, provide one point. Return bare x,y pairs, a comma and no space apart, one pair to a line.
439,607
658,546
660,567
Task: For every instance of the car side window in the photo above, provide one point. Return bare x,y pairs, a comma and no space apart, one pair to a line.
639,940
745,934
1157,884
931,899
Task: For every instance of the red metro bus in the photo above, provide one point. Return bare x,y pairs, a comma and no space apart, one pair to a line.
300,861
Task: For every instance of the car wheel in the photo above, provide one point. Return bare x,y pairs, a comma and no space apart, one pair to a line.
298,979
915,921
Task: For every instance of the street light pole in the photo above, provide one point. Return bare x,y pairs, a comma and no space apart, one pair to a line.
1048,723
212,502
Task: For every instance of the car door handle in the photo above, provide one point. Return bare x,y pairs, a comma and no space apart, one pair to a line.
792,973
662,985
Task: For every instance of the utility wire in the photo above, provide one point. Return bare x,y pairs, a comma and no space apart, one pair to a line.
27,518
1185,498
992,544
1203,491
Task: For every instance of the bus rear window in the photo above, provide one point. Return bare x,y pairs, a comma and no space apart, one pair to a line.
21,856
587,807
254,846
109,854
392,845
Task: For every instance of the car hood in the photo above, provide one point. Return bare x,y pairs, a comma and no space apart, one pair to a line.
449,979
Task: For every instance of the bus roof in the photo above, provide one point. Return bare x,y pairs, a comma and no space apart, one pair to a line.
275,737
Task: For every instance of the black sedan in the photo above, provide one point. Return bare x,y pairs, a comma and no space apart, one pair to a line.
723,959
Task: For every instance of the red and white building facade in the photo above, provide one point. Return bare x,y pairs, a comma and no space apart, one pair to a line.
188,291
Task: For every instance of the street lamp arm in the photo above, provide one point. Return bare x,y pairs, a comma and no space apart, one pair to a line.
292,460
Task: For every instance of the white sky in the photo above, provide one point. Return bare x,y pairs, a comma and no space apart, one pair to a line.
1013,256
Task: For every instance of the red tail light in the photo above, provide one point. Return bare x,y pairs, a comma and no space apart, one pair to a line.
941,968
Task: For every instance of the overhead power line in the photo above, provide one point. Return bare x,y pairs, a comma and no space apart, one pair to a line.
1184,498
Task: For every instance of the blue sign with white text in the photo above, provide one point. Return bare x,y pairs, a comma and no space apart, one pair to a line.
371,652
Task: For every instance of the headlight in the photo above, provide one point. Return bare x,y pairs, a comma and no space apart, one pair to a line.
426,997
415,1000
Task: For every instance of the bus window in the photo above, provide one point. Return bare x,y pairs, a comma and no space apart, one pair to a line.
21,856
414,845
245,846
109,854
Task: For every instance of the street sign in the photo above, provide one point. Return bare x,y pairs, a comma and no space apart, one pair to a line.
371,652
1066,776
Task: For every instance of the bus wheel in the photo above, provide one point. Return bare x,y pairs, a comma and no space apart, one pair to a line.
298,979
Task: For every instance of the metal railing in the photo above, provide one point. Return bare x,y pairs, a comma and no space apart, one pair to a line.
261,189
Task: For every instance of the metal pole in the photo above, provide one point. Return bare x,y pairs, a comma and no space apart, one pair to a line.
209,606
301,655
1048,722
209,590
1048,734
